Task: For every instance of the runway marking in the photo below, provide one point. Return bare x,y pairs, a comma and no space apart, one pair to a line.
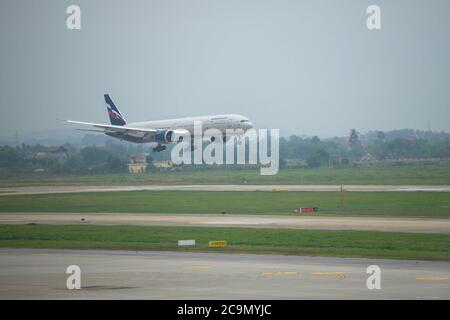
279,273
432,278
147,257
338,274
420,225
197,267
101,287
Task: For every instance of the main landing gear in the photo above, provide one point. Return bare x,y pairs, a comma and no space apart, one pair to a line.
159,148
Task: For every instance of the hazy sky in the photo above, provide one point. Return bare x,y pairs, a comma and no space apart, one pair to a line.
307,67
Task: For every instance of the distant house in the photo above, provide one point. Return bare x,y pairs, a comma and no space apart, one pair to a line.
56,149
57,152
163,164
138,164
39,155
139,158
54,152
293,163
367,157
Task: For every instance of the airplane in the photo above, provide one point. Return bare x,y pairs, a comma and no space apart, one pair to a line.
163,132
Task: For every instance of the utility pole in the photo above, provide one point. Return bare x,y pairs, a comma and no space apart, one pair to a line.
17,139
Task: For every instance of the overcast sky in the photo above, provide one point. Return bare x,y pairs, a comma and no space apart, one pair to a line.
306,67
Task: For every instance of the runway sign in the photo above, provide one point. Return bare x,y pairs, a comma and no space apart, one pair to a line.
307,210
186,242
215,244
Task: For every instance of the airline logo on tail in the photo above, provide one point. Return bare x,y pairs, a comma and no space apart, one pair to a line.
114,113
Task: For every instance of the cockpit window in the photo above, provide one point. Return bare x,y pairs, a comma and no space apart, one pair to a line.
244,120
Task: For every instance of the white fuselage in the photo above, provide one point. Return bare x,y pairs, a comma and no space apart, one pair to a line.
166,130
219,122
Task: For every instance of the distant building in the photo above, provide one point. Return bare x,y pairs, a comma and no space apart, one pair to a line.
138,164
39,155
367,157
54,152
293,163
139,158
163,164
56,149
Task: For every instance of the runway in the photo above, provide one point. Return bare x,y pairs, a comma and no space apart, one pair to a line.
103,188
421,225
40,274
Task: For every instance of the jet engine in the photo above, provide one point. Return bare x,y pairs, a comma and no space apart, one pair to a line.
170,136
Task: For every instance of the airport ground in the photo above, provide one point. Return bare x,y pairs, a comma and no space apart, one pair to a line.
338,243
392,224
415,214
29,190
41,274
355,204
399,214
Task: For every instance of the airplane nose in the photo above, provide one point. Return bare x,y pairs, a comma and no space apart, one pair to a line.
248,125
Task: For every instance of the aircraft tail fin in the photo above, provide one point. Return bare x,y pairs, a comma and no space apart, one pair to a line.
114,114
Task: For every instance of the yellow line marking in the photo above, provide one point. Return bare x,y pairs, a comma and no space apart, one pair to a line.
198,267
432,278
338,274
279,273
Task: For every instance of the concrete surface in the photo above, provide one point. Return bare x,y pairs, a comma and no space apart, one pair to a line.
100,188
40,274
421,225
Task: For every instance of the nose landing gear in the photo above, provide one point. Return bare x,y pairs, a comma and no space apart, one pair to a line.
159,148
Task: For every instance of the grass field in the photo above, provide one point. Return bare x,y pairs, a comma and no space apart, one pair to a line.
268,241
394,204
421,175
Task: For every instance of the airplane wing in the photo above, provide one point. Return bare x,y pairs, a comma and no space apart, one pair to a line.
113,128
90,130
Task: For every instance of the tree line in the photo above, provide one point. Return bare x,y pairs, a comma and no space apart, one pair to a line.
312,152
